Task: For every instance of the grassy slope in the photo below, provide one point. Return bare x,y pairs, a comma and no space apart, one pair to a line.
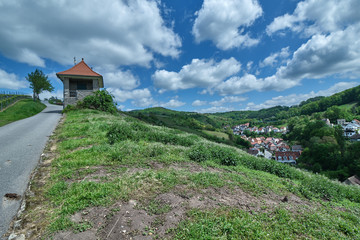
178,178
347,107
217,134
22,109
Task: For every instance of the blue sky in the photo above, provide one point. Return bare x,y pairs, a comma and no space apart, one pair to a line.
198,55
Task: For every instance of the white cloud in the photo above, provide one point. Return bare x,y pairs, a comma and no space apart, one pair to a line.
223,22
59,94
103,32
228,99
198,103
173,103
318,16
249,65
332,28
239,85
144,102
324,55
337,53
11,81
275,57
295,99
116,78
140,97
215,109
121,107
200,73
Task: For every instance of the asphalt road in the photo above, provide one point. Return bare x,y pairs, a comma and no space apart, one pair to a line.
21,144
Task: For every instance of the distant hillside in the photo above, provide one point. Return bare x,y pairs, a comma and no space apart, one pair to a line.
200,124
278,115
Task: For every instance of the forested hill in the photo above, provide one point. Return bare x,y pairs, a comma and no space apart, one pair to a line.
308,107
276,115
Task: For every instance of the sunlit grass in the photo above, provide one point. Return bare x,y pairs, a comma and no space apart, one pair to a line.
140,161
22,109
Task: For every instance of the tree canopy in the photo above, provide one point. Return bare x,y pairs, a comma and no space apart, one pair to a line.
39,83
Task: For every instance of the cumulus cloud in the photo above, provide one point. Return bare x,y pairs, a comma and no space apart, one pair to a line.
295,99
110,32
198,103
318,16
173,103
239,85
116,78
11,81
275,57
58,94
140,97
224,22
200,73
332,28
228,99
324,55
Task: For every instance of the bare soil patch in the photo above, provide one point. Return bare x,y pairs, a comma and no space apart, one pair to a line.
135,220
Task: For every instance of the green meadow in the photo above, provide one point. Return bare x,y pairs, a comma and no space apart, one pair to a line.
180,185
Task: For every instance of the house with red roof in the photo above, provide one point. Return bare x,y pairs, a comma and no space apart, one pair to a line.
79,82
287,157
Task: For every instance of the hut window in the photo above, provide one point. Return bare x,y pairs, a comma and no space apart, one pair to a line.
81,85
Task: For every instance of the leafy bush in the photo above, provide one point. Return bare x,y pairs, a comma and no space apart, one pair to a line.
199,153
101,100
226,156
167,138
137,126
69,108
119,132
222,155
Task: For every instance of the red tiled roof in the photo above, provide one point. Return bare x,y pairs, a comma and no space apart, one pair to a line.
80,69
287,154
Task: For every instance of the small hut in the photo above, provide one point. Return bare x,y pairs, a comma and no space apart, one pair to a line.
79,82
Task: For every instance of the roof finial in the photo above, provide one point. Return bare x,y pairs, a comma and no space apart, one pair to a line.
74,60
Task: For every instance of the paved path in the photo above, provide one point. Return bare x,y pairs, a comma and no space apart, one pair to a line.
21,144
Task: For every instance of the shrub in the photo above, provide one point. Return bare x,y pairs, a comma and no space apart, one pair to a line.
69,108
118,132
199,153
222,155
101,100
137,126
226,156
169,138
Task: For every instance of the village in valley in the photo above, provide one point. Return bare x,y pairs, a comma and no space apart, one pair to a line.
276,148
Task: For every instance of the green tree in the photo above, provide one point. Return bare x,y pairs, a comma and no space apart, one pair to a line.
39,83
333,113
242,142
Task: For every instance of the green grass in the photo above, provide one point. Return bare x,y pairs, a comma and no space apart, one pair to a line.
347,107
22,109
280,223
129,151
217,134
